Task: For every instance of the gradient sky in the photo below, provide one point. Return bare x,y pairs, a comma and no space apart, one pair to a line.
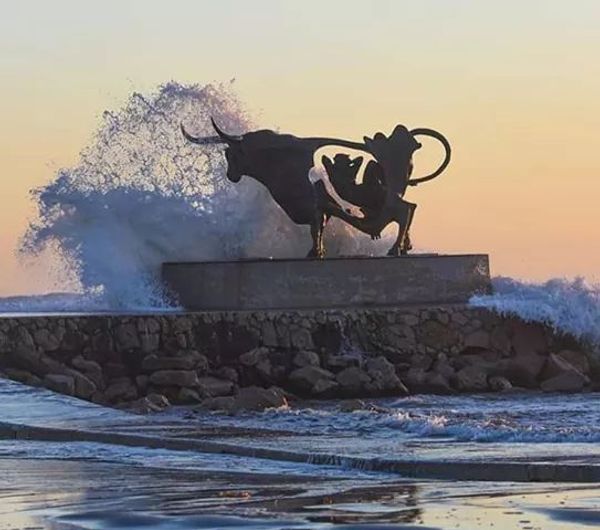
514,84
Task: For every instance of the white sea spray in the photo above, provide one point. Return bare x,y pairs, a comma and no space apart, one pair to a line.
568,306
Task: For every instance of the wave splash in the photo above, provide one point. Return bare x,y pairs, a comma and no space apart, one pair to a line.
141,195
568,306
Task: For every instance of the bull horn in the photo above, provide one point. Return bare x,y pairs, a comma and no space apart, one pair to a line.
201,141
442,139
230,139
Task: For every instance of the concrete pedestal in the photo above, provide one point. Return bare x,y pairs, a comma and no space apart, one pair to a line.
333,282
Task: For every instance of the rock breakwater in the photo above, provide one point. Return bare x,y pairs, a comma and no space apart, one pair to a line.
151,360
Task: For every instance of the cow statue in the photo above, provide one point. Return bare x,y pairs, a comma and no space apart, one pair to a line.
281,162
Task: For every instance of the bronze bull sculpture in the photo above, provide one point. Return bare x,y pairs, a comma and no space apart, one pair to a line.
281,162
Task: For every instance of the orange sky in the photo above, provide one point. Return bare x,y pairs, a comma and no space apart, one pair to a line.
514,85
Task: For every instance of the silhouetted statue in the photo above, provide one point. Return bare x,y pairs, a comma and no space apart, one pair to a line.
282,163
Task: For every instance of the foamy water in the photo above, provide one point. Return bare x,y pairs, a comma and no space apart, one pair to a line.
569,306
502,428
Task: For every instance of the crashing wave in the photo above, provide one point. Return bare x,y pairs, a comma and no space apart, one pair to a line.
568,306
141,195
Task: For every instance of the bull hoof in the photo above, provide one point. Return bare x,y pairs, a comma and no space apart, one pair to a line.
393,252
315,254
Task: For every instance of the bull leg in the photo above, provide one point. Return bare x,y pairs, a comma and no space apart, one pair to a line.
404,214
316,232
407,242
407,245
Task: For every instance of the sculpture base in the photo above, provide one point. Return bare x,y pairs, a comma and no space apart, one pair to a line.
334,282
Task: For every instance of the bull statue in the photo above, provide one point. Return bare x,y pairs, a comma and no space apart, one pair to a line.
281,162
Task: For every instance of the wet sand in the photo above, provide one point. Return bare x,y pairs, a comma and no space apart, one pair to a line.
59,494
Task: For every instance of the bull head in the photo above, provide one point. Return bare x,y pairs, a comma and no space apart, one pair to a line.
233,155
395,152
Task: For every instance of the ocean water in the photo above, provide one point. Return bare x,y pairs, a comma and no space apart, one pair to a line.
529,427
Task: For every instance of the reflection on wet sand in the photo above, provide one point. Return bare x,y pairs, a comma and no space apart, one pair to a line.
96,495
69,494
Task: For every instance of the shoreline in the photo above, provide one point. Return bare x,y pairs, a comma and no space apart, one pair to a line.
74,463
422,469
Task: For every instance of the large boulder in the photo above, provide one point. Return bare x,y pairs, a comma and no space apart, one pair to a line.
90,368
259,364
63,384
325,388
576,358
556,365
353,380
471,379
443,367
228,373
254,356
383,377
306,358
528,338
301,339
415,379
249,398
179,378
421,382
256,398
200,360
188,395
310,379
220,404
499,383
121,389
341,362
522,370
153,363
560,375
214,387
421,360
22,376
484,359
84,386
571,381
437,383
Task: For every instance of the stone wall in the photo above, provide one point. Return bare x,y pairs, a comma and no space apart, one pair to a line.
191,357
356,281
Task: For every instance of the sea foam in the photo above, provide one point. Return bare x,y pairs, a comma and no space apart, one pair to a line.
569,306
